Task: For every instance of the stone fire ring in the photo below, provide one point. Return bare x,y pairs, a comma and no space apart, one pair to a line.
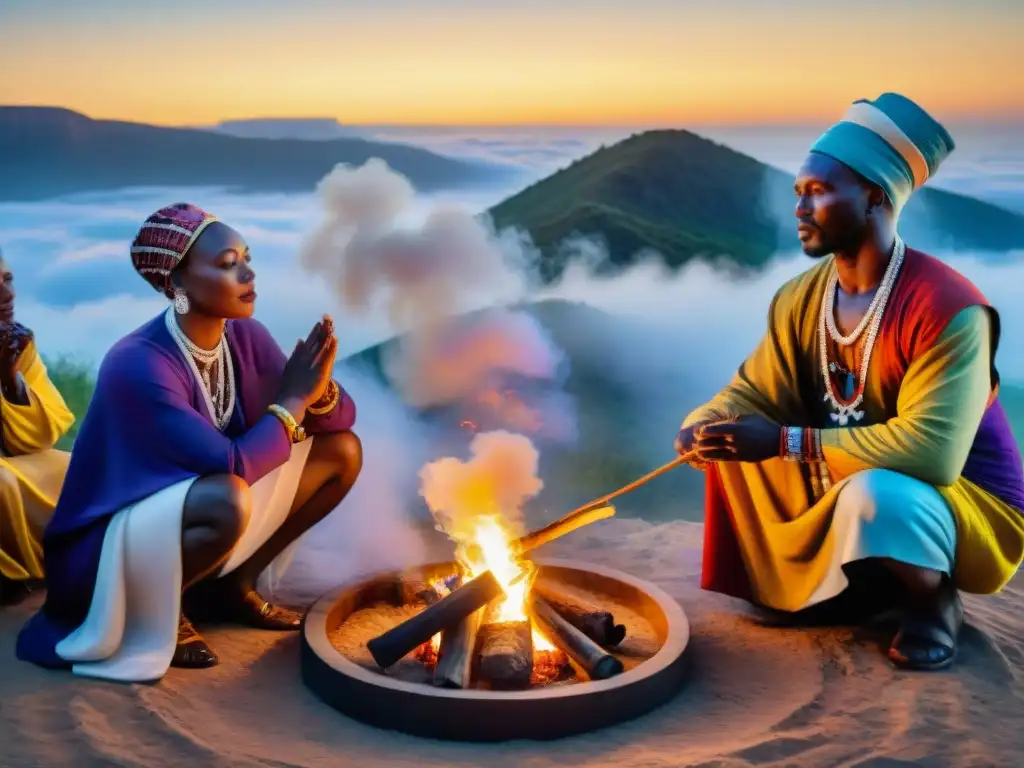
480,715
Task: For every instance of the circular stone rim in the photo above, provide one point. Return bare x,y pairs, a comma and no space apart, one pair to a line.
485,715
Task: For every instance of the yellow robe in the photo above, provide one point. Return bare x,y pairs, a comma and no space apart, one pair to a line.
782,510
31,470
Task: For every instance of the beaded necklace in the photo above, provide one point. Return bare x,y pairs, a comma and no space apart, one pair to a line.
220,399
845,409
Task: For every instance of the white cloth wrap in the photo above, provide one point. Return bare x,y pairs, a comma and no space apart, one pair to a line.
131,629
881,513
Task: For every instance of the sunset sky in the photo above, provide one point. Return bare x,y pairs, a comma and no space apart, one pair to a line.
632,62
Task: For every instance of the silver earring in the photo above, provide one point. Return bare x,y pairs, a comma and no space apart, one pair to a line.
180,301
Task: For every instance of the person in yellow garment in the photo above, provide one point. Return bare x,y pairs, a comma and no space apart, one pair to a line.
863,441
34,417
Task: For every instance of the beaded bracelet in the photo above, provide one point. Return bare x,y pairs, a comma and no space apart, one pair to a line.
800,444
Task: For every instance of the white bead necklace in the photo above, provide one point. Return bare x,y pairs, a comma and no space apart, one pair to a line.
220,400
872,320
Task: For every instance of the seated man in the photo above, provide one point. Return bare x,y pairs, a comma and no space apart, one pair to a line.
33,417
192,472
864,435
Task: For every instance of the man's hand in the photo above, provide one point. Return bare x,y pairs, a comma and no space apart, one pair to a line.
685,438
748,439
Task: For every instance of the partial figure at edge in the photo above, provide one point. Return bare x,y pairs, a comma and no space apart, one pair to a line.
33,417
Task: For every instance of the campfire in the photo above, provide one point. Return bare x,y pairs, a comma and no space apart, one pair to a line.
493,625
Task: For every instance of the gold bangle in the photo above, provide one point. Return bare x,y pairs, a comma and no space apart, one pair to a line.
296,432
333,395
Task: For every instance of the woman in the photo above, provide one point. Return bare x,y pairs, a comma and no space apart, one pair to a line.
192,471
33,417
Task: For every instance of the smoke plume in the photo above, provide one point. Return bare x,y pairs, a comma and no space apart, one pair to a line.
444,283
498,478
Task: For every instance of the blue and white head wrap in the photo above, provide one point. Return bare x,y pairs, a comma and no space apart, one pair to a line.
891,141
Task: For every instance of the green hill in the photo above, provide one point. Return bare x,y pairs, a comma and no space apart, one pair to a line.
687,197
46,152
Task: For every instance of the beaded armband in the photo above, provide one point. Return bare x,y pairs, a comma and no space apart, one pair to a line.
800,444
327,401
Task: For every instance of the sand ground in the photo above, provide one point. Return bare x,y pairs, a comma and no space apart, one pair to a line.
757,696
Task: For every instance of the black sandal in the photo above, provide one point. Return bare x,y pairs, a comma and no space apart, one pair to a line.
253,611
224,600
192,652
927,638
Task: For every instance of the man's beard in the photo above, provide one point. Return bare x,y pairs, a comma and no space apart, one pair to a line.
825,246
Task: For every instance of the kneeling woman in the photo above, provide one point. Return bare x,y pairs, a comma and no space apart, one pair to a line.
192,471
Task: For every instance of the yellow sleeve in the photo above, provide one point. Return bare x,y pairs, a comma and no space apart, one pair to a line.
939,408
45,419
766,383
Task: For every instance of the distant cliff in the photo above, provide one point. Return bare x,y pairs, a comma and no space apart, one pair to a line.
46,152
687,197
309,128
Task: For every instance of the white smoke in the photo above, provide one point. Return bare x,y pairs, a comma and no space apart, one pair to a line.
498,478
445,284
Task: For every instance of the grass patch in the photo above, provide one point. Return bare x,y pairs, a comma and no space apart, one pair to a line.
75,382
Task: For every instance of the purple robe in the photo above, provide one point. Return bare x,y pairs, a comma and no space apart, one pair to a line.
147,428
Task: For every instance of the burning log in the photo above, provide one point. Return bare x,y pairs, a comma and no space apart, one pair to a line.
565,525
597,624
597,663
506,654
391,646
455,656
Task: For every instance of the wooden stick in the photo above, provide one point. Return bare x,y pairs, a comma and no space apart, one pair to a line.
684,458
561,527
506,654
595,662
597,624
598,509
392,645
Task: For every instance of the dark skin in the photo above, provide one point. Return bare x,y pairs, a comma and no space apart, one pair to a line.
838,212
13,341
219,281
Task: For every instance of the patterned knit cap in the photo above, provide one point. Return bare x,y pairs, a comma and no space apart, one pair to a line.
164,239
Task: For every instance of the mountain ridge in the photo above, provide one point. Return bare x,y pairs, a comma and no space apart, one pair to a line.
50,151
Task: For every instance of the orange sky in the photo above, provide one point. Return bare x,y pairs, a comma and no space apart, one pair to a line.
644,62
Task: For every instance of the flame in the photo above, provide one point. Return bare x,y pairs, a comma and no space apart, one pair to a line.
494,552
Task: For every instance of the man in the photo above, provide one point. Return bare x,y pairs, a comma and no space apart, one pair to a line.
33,417
864,438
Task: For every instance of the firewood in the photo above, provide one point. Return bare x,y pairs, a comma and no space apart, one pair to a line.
415,591
594,660
455,656
597,624
506,654
392,645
